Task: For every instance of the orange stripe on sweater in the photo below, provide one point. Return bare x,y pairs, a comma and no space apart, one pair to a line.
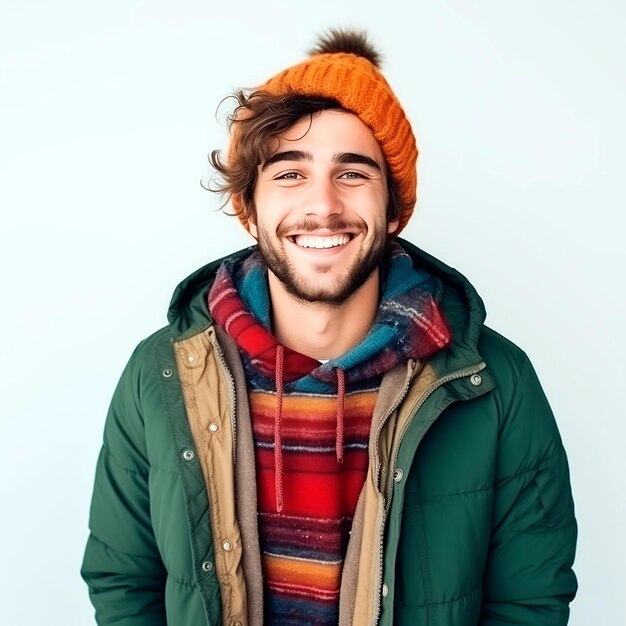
302,573
313,407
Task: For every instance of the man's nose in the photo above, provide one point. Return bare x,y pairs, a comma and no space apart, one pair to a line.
323,199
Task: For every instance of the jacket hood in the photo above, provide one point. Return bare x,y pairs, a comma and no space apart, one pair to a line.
463,308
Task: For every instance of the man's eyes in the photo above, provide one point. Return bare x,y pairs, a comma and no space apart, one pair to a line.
288,176
350,175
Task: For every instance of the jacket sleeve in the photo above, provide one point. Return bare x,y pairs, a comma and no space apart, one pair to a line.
122,566
528,578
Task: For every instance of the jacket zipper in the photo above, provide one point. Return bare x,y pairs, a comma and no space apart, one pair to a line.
231,389
468,371
383,515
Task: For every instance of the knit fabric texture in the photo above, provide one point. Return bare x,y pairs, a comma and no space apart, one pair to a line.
360,88
318,455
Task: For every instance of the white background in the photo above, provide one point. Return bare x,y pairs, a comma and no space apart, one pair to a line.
107,113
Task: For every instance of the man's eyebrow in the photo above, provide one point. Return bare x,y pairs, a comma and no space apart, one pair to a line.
289,155
341,158
345,158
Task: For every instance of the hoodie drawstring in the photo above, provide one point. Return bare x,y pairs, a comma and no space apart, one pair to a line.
278,437
341,397
278,423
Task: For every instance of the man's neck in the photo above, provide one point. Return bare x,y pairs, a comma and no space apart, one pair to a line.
323,331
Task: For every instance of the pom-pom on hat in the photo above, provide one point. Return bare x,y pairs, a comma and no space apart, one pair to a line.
344,66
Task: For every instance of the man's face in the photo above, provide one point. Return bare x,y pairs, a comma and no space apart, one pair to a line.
321,203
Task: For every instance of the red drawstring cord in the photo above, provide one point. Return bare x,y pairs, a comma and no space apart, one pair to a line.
341,396
278,438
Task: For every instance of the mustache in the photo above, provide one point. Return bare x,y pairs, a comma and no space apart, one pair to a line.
335,224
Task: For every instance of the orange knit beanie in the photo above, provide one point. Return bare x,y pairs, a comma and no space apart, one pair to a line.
344,66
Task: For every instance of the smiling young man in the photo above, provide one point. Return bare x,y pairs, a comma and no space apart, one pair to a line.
321,225
326,432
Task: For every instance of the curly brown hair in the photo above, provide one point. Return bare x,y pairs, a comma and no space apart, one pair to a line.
255,125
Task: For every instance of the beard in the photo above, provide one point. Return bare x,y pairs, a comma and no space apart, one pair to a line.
309,289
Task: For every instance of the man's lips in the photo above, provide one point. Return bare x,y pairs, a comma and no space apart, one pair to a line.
321,242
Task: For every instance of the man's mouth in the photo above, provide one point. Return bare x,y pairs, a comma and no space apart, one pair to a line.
330,241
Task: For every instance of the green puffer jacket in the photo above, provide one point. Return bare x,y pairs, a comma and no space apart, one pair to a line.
466,516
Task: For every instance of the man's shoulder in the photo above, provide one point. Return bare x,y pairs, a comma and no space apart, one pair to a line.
187,314
149,351
516,381
506,361
500,352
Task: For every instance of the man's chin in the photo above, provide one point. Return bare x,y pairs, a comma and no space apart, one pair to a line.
318,281
330,291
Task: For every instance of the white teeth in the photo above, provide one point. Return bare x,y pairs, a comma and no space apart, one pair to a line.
305,241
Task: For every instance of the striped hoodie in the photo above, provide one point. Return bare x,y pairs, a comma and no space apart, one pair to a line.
311,422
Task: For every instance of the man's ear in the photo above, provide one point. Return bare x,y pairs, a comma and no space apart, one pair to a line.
392,227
